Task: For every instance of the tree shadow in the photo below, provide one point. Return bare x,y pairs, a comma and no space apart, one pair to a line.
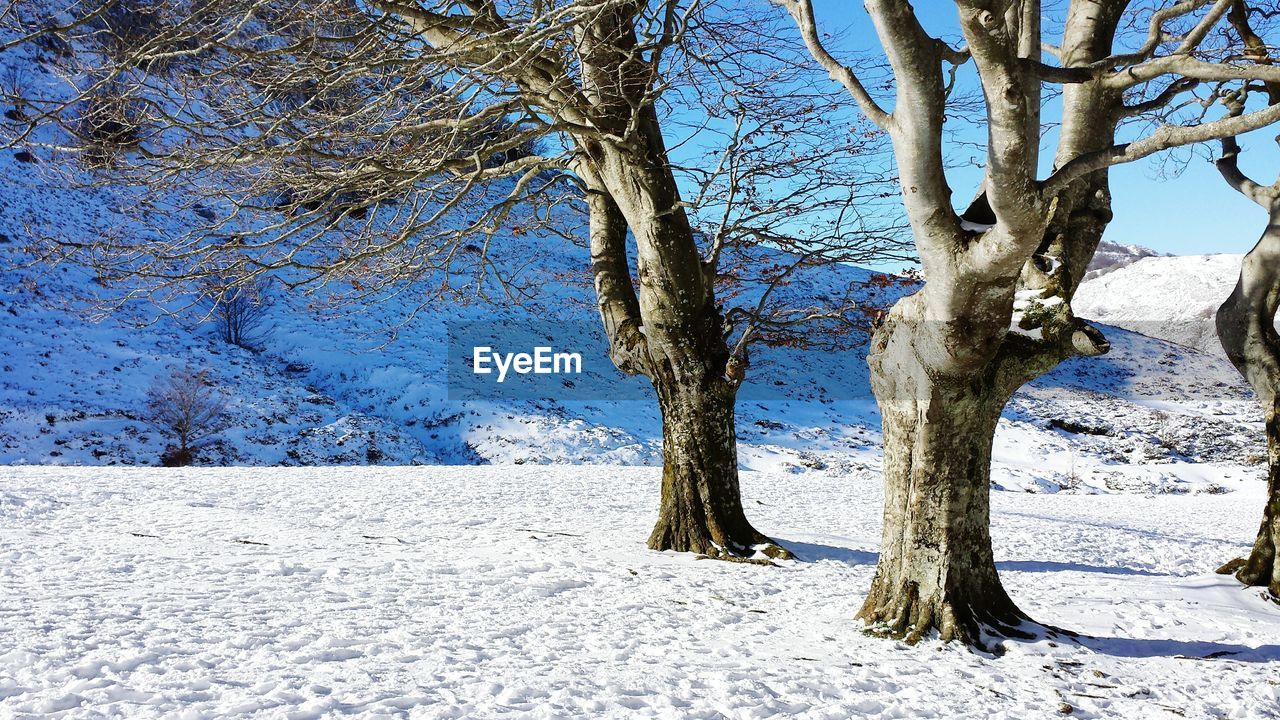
1049,566
1141,532
1177,649
813,552
1123,647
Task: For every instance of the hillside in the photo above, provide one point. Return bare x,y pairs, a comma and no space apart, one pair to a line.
354,382
350,384
369,382
1110,257
1172,298
334,388
370,385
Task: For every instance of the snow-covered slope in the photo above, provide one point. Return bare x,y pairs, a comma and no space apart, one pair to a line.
1114,256
331,389
332,385
1172,298
485,593
352,384
369,383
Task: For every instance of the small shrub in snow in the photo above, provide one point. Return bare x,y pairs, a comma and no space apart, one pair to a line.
186,407
109,123
522,144
142,33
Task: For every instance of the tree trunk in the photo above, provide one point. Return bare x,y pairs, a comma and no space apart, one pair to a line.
672,333
668,328
936,569
1246,329
701,510
1260,569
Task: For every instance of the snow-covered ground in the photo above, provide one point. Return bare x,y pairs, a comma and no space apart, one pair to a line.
527,592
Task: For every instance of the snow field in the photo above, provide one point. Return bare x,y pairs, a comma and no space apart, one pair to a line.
527,592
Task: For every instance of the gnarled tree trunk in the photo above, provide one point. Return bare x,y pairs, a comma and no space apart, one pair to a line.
1246,329
936,565
937,569
939,417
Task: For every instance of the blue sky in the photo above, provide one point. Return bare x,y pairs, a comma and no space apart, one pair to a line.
1195,213
1187,212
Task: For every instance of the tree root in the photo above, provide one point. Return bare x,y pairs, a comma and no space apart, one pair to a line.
762,552
771,551
775,551
747,546
1252,572
908,617
1232,566
726,557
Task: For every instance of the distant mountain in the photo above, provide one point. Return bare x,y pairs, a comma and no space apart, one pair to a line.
1113,256
1171,298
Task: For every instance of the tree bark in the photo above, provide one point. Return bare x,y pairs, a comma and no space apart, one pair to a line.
936,569
1246,329
701,509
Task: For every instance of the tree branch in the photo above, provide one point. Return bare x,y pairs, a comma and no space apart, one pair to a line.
1012,102
1165,137
802,12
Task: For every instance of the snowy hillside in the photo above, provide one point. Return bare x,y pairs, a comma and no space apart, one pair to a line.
477,593
1173,298
369,383
330,389
360,383
333,387
1113,256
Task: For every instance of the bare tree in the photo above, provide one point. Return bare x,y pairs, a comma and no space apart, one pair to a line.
239,310
187,407
361,143
1247,330
995,308
1246,324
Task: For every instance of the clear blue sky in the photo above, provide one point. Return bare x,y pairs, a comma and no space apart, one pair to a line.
1195,213
1192,212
